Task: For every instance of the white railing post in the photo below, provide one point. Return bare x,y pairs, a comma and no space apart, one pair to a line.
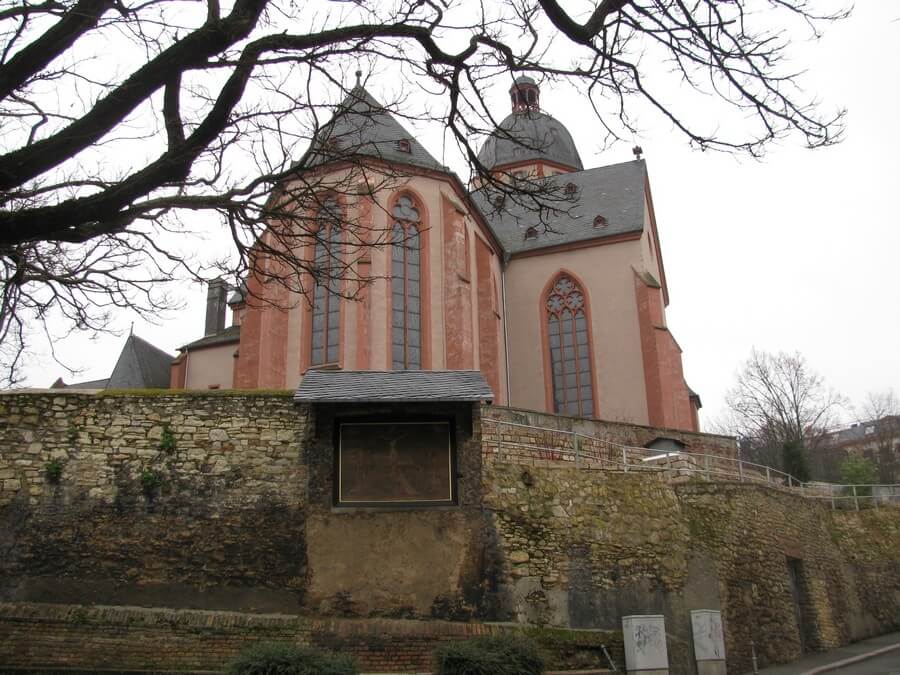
741,470
707,466
768,475
855,498
625,458
577,445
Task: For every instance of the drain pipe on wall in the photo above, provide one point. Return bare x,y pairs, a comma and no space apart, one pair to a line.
505,260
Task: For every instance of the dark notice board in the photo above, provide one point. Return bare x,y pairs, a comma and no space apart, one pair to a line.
394,462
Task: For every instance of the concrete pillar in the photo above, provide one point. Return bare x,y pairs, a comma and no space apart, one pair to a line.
645,644
709,641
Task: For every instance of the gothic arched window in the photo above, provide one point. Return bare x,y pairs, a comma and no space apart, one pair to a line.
326,309
406,292
570,351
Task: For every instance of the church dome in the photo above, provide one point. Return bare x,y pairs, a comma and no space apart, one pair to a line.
529,135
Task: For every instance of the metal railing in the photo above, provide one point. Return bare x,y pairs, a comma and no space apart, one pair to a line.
590,452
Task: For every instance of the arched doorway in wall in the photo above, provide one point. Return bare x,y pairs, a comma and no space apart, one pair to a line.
567,347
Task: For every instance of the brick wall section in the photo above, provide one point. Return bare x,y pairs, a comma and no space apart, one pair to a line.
585,547
225,524
66,636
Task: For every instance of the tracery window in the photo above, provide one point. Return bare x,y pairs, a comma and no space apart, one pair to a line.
570,352
326,310
406,287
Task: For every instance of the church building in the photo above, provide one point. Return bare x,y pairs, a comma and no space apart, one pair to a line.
561,309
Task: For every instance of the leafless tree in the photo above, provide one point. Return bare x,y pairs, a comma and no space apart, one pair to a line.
780,407
123,121
881,411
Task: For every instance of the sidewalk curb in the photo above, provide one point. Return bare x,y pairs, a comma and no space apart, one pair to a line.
853,659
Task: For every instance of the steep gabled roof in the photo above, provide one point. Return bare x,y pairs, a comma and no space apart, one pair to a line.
140,366
361,126
615,192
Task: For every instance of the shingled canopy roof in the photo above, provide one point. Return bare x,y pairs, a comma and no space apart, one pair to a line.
400,386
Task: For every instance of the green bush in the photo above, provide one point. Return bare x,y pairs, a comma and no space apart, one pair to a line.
53,470
167,440
150,481
859,471
277,658
501,655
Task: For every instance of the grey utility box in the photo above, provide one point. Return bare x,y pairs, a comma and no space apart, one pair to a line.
645,644
709,641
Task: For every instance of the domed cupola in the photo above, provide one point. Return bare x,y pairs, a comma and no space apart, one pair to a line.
529,135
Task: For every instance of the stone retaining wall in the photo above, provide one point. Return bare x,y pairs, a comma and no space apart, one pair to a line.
193,499
606,432
224,501
584,547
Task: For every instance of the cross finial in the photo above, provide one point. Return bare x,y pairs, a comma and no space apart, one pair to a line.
358,78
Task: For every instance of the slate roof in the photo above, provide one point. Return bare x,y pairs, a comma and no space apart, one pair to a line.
529,136
861,431
90,384
363,126
140,366
615,192
230,334
337,386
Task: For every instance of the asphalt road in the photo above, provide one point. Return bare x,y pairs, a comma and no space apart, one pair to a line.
886,664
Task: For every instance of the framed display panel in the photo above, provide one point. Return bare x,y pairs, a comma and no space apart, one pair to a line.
395,462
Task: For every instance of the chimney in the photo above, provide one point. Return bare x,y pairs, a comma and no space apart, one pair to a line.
215,306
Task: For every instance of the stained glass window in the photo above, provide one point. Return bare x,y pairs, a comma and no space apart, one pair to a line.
406,295
326,310
570,360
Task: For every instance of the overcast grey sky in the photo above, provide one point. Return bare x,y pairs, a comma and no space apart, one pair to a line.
797,251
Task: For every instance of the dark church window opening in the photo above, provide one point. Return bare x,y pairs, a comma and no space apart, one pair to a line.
395,463
326,310
406,294
570,353
571,188
531,233
600,221
403,145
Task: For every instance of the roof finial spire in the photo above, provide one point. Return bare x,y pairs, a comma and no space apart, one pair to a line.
358,77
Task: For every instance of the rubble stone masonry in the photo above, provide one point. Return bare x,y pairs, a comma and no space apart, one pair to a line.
210,516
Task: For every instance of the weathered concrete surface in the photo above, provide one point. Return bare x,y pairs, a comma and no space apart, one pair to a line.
400,563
